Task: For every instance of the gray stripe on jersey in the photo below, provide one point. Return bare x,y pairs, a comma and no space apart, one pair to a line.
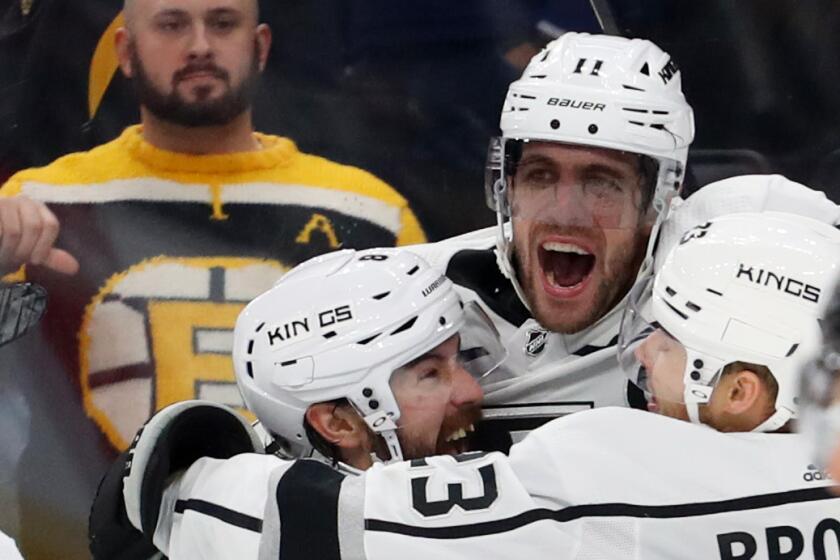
351,518
270,538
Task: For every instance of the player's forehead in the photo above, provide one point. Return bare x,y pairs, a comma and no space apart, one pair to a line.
561,154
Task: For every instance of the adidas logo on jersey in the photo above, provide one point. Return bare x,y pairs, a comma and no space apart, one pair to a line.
813,474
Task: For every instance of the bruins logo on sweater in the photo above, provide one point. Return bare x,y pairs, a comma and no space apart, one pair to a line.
162,332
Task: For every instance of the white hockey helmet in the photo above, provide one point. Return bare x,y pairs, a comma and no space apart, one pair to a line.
820,390
593,90
742,287
337,326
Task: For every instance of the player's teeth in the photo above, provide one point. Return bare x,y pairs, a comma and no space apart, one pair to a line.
457,434
550,275
563,248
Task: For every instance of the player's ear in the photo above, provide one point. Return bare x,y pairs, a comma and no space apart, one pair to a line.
744,392
339,425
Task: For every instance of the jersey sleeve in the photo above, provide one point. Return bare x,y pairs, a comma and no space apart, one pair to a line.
215,508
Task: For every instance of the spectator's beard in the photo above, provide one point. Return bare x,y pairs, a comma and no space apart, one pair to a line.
173,108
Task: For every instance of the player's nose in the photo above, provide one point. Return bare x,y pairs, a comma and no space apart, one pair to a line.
465,389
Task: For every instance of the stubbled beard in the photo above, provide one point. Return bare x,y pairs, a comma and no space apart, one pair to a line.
412,449
173,108
624,265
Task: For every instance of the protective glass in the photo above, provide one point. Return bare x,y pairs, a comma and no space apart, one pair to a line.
21,307
819,401
649,356
584,187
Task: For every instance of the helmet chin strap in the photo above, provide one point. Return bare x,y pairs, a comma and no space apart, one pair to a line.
776,421
695,395
382,424
504,246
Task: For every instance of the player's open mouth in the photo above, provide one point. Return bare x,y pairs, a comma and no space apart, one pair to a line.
458,440
566,268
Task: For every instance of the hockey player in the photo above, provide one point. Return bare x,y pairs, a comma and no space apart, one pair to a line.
820,396
363,356
611,483
591,159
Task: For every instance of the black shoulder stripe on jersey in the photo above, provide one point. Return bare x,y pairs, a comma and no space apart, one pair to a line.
307,502
590,348
574,513
221,513
477,270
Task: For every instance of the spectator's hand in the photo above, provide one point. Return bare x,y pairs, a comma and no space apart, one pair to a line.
28,231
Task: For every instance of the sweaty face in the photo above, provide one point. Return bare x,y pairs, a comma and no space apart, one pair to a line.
664,361
439,401
579,230
194,62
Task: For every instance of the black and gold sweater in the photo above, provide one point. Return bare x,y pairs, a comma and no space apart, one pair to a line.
171,247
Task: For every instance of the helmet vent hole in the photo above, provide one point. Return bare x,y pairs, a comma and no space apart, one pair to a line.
634,88
383,295
555,124
661,112
367,340
442,321
523,96
711,291
637,123
250,368
593,129
405,326
413,270
658,126
792,350
645,69
544,57
634,110
250,346
670,291
288,363
693,306
329,335
259,328
538,76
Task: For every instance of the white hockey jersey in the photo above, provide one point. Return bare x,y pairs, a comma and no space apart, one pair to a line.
547,374
612,483
8,549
